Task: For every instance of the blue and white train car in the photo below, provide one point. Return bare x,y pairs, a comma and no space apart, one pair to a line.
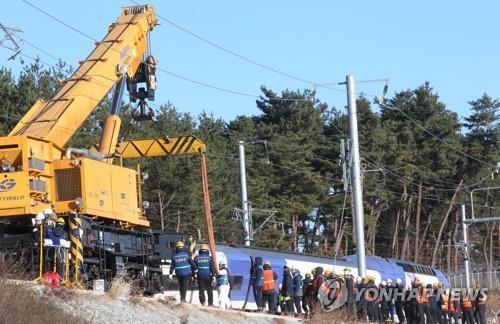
239,263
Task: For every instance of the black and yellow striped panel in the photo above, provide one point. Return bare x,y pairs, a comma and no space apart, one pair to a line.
75,225
161,147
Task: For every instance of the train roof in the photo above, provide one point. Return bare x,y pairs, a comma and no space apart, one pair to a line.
254,252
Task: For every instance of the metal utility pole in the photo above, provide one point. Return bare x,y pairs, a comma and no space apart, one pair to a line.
466,249
343,158
14,46
245,203
356,176
244,197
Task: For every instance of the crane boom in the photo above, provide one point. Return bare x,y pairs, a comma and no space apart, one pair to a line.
121,51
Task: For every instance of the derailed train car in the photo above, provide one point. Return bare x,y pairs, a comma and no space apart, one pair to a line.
239,261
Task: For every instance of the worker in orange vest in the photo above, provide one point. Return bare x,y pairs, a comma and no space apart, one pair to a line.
424,312
467,309
480,304
453,308
269,287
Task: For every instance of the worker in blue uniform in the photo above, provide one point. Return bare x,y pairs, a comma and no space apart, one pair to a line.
184,268
257,282
205,273
55,232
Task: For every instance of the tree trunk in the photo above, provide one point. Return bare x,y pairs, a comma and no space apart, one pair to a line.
178,228
417,223
346,246
455,234
406,217
444,222
295,224
395,235
339,235
448,255
370,235
426,230
160,203
161,199
377,216
485,246
313,235
491,247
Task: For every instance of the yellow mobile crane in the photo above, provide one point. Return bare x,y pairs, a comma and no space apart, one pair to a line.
103,200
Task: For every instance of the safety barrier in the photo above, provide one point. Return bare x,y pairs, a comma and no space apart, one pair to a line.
487,279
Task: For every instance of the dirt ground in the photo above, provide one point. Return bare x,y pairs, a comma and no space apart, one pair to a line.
41,304
494,300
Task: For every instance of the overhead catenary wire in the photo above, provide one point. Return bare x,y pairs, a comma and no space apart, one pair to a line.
218,88
403,179
170,73
240,56
416,123
408,181
424,197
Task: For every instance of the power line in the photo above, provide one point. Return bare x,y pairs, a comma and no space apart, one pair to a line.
386,168
176,75
438,138
408,181
242,57
37,48
59,20
233,53
280,166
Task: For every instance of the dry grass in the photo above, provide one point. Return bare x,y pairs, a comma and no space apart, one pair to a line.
338,316
19,302
119,288
494,300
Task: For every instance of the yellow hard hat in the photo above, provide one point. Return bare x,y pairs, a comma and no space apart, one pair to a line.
268,263
327,272
179,244
347,269
60,220
204,246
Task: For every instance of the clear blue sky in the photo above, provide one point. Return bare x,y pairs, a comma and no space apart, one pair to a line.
452,44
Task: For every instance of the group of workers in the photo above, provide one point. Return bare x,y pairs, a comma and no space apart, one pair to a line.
362,299
296,295
419,303
201,267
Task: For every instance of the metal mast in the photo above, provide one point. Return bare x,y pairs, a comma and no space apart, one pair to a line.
356,176
244,197
466,248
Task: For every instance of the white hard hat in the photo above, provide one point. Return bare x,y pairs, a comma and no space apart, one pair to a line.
48,211
399,281
359,279
222,261
383,283
39,217
389,280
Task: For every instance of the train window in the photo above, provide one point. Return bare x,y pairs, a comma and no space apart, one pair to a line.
236,282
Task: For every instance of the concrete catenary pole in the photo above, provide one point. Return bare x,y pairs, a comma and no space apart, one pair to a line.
244,197
466,249
356,176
